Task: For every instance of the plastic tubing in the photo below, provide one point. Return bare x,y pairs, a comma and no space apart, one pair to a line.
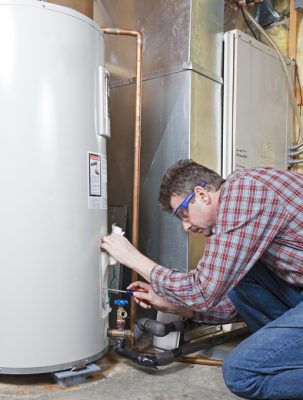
137,145
289,82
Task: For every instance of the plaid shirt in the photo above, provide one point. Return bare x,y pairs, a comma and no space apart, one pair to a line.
259,217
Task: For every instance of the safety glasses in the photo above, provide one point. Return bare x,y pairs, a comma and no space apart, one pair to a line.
181,211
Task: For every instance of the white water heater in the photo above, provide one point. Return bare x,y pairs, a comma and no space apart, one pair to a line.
53,201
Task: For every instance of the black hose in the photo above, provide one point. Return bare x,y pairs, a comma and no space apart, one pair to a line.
156,328
147,359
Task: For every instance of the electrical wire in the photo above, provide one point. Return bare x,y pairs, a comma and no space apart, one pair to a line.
299,84
293,162
301,101
248,24
110,284
229,4
295,153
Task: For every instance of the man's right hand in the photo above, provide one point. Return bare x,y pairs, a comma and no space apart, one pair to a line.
147,298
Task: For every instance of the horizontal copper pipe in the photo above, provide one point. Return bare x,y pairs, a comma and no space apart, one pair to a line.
200,361
119,333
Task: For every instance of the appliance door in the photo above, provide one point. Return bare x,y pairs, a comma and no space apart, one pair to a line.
257,123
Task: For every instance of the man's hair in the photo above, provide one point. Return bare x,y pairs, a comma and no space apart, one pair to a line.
181,179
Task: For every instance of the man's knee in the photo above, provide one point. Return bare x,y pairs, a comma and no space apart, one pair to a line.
240,380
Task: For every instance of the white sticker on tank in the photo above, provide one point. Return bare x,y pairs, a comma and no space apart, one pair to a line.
97,181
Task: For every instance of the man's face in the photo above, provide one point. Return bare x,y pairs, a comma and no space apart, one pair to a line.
200,216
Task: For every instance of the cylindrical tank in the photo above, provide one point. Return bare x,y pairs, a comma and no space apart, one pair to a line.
53,201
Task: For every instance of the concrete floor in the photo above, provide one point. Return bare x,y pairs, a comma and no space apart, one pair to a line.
120,379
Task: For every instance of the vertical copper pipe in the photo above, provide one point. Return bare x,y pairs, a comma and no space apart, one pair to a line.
137,146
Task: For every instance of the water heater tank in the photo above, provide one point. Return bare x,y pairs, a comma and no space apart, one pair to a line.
53,201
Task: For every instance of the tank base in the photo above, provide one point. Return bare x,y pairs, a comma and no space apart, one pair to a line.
52,368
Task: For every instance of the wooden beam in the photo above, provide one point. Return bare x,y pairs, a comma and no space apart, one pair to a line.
85,7
294,24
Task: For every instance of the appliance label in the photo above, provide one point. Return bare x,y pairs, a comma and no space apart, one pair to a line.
97,181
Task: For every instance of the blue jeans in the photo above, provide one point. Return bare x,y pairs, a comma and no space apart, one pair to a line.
269,363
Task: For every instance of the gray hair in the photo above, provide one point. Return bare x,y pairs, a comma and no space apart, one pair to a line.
181,179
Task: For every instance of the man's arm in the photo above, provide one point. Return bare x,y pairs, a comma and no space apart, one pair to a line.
120,248
145,297
249,218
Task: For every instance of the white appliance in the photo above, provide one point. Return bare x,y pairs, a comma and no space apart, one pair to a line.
53,202
257,115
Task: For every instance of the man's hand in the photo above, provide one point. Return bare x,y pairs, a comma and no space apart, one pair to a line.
125,253
120,248
147,298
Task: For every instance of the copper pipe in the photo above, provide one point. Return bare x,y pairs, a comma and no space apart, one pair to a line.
137,147
200,361
119,333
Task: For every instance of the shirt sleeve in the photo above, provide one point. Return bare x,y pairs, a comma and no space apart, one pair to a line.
223,313
249,218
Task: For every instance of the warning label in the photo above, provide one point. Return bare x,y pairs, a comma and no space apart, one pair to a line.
97,181
94,175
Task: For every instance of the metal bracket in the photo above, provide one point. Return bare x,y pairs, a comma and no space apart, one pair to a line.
75,377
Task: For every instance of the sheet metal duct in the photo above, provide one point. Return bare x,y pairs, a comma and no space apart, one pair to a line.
181,115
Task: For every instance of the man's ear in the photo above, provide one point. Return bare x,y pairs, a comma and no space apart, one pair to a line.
202,194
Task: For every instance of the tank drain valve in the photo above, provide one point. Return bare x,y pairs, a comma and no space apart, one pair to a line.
117,230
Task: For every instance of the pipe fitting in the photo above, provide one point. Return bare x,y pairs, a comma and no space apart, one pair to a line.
156,328
119,333
121,314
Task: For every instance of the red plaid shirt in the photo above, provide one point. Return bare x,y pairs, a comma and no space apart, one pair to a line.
260,217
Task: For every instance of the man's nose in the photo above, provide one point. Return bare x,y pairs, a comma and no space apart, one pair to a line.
186,226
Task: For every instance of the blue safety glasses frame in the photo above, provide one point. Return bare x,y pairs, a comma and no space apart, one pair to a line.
184,204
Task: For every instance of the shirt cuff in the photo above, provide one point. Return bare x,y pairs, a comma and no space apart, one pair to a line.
157,276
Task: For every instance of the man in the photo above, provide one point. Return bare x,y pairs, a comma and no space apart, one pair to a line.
252,263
